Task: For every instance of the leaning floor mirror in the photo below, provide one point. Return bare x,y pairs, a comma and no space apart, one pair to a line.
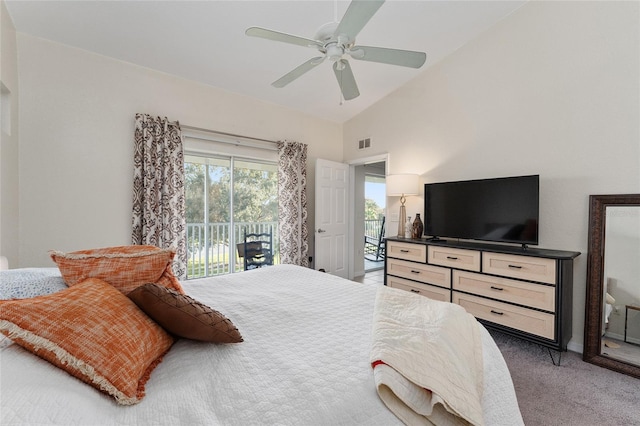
612,317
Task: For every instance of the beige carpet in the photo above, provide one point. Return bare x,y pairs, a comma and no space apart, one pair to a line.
574,393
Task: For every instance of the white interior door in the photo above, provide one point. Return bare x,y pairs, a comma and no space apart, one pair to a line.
331,239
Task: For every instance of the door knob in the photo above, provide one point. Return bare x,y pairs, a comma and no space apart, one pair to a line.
321,230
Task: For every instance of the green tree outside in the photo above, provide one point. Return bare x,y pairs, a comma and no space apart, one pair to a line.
371,210
254,191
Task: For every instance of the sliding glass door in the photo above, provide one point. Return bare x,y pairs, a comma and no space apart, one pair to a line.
226,197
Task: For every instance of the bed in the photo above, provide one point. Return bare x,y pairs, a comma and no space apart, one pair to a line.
305,359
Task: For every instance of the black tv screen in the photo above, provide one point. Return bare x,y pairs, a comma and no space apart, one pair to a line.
500,209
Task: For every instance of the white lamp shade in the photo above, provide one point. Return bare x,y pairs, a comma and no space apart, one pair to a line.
402,184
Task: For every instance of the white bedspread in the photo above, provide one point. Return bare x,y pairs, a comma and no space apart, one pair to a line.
429,359
304,361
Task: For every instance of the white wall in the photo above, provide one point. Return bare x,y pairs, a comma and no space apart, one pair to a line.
76,145
9,195
551,90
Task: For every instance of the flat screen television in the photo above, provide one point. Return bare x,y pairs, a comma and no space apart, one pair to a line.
500,209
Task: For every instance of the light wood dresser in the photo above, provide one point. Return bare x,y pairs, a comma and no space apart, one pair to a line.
526,292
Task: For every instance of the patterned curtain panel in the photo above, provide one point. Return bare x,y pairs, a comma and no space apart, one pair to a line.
292,203
158,188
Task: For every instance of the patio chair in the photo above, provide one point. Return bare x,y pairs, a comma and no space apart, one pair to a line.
257,250
375,246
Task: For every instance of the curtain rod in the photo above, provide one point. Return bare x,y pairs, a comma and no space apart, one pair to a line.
232,135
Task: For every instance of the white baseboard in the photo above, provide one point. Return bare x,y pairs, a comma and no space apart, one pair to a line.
575,347
578,347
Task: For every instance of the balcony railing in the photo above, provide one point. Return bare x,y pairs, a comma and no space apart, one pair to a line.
208,247
211,247
372,228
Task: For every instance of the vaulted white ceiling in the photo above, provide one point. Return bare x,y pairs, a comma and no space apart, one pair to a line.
204,41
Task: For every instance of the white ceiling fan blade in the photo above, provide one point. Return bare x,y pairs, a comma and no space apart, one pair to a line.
403,58
346,80
297,72
282,37
356,17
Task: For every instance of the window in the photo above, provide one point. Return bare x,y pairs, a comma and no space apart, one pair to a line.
226,197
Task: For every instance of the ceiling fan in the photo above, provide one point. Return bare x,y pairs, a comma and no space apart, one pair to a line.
336,41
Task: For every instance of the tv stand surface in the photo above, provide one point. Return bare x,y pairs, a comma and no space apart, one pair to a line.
495,247
526,292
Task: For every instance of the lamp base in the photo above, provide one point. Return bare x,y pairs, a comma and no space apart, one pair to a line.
401,220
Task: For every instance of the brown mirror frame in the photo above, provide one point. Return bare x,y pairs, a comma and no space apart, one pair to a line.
595,269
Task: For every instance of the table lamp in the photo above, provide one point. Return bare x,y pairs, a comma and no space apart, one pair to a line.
402,185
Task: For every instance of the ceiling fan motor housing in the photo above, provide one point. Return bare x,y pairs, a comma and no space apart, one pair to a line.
326,32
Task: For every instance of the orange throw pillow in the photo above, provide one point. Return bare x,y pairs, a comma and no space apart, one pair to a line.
124,267
93,332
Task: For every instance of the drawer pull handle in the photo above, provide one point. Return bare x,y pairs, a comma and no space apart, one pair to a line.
515,266
415,291
496,312
404,251
452,258
415,272
496,288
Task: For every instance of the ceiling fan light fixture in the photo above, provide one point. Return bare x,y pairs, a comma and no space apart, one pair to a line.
334,52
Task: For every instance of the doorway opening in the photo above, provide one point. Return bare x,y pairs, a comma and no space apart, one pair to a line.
374,217
363,170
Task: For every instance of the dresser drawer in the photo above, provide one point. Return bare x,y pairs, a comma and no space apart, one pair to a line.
407,251
523,267
527,320
419,272
455,258
435,293
523,293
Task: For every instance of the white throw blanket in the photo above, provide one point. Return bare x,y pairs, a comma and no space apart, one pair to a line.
427,359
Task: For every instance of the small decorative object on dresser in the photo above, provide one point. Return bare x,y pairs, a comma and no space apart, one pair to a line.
418,227
408,228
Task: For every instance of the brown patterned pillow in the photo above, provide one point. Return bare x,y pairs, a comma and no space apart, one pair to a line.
183,316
